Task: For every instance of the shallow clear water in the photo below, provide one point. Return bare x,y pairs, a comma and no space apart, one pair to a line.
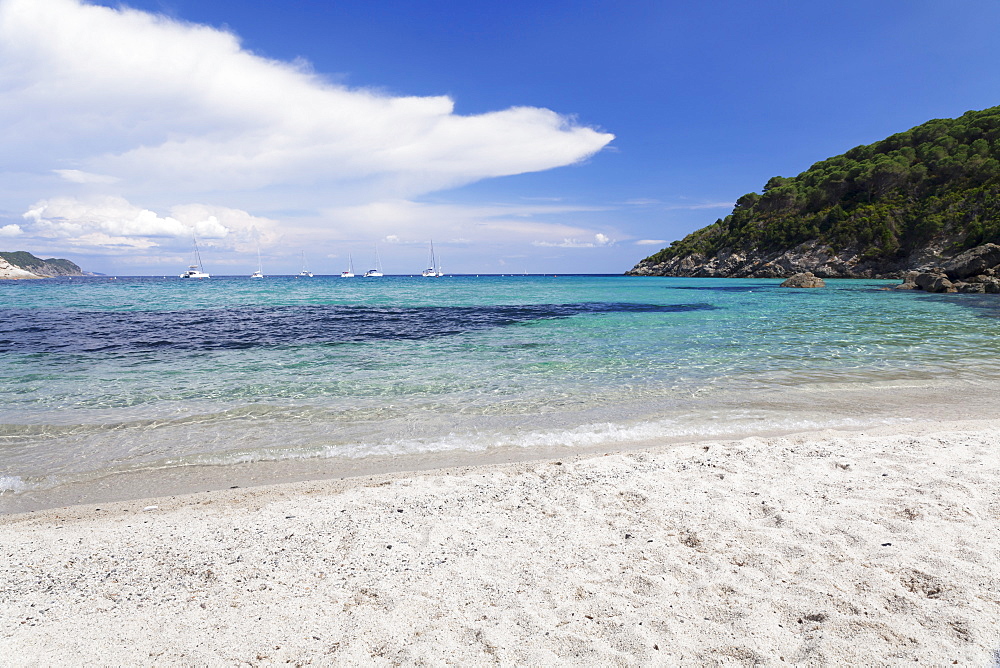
144,375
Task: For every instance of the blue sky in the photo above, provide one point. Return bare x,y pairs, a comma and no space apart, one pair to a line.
559,137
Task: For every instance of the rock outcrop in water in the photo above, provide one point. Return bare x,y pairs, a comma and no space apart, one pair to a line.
22,264
976,270
804,280
911,202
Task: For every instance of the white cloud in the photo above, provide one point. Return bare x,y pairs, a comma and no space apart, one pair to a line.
168,107
599,241
114,223
703,205
76,176
646,201
10,230
650,242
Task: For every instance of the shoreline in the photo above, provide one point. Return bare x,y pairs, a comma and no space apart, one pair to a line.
895,405
828,547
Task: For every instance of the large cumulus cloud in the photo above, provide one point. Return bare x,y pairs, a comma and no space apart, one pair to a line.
120,96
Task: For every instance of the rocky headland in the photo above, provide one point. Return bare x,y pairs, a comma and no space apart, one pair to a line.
21,264
815,257
911,204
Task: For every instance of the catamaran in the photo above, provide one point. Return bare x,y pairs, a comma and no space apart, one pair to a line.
260,269
349,272
305,272
433,269
196,270
377,271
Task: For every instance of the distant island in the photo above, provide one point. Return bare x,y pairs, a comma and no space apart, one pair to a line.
907,203
22,264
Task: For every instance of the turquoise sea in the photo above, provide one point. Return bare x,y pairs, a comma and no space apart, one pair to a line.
129,387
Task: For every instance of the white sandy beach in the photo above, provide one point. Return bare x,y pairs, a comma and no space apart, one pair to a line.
833,548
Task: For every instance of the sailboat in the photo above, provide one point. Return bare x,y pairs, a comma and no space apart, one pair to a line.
432,269
349,272
305,272
260,270
377,271
196,270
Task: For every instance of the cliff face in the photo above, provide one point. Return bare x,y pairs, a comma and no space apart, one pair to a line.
21,264
7,270
902,204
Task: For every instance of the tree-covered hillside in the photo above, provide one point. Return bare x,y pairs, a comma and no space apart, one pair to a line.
939,180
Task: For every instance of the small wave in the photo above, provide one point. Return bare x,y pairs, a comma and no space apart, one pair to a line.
12,484
609,433
584,437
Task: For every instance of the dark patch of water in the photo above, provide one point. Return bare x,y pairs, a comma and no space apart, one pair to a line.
985,305
65,331
726,288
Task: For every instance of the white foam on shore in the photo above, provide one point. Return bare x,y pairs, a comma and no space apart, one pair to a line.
584,437
12,484
607,433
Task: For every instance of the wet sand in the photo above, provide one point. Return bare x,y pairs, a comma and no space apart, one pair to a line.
824,548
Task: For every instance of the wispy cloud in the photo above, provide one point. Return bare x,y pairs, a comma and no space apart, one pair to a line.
703,205
600,240
76,176
650,242
405,222
660,204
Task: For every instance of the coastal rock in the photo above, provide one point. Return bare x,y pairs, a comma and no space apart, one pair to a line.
7,270
805,279
813,256
973,261
923,279
909,281
935,281
974,271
